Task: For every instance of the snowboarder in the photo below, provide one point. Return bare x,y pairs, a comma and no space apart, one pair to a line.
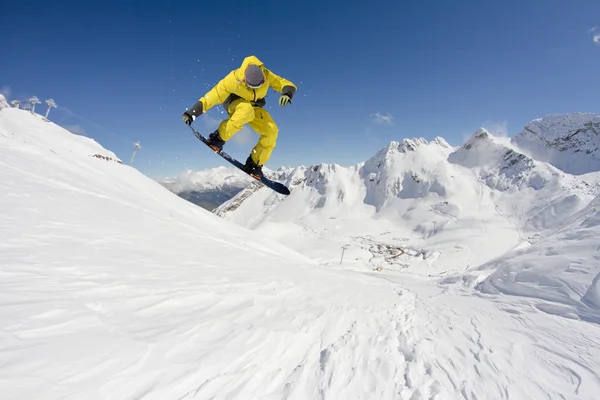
242,93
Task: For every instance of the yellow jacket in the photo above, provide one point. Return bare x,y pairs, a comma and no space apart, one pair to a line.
233,87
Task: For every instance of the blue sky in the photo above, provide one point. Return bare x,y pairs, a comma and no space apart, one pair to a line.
366,73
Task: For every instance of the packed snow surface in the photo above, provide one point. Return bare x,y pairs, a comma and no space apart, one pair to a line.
112,287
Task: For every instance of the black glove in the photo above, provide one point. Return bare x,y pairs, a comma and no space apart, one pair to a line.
284,99
190,115
286,95
187,118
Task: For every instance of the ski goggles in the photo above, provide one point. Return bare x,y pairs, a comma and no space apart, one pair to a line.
262,82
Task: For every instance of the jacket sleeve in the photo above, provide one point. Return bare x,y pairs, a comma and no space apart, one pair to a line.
280,84
219,92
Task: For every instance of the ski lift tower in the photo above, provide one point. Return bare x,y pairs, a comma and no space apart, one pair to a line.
137,146
51,104
34,100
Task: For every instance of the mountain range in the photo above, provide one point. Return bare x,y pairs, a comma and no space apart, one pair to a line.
209,188
498,195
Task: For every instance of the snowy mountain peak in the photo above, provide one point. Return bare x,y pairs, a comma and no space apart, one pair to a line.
479,137
407,145
570,142
499,164
412,144
324,167
319,175
477,150
440,141
562,127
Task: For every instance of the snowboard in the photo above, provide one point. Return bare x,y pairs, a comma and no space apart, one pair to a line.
276,186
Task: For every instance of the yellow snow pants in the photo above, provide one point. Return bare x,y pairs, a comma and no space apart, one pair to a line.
242,112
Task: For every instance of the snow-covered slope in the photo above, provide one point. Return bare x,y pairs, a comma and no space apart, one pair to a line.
570,142
563,268
112,287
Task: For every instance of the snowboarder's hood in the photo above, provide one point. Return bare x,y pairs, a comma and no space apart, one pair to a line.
239,73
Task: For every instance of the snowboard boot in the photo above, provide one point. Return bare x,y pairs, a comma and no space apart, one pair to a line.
253,168
215,141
